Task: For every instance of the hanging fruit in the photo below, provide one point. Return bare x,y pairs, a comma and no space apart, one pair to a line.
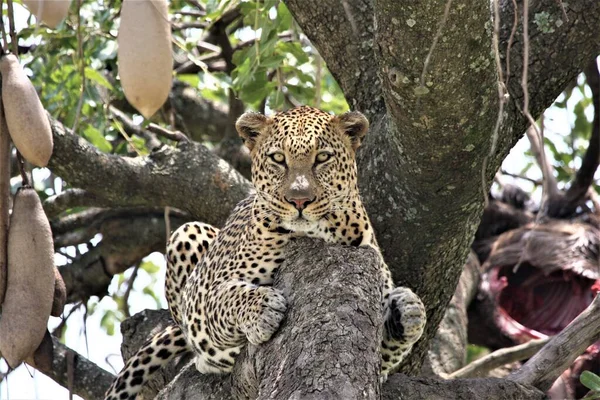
51,12
30,285
144,54
25,116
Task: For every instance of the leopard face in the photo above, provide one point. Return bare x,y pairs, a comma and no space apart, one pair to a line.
303,163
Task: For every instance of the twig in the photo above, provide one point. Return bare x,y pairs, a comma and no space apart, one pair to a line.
548,188
510,40
437,36
562,7
4,198
176,136
188,25
82,67
499,358
167,224
585,175
13,33
151,141
24,176
560,352
58,330
128,290
525,178
537,149
3,31
501,100
350,17
318,77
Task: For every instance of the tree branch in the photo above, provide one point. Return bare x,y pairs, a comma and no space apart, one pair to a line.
542,161
71,198
335,309
448,348
188,177
122,246
90,381
499,358
560,352
427,144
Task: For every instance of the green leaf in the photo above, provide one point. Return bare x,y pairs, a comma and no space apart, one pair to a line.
97,77
191,79
149,267
95,137
590,380
108,322
295,49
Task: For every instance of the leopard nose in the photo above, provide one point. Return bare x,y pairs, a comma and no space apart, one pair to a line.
300,203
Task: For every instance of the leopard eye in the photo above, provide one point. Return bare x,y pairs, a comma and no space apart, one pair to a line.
279,158
322,157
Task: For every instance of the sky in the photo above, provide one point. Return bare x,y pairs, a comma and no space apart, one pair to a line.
104,350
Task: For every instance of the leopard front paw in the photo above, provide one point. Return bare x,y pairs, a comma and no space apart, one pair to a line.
266,316
404,316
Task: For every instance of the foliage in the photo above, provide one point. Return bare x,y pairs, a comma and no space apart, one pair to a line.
592,382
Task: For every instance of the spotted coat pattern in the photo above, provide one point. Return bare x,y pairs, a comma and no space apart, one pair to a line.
218,283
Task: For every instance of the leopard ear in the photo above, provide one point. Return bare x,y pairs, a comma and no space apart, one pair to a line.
250,126
354,125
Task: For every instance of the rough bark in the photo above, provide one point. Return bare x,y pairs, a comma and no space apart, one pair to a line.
448,348
421,163
126,239
89,380
337,300
328,344
188,177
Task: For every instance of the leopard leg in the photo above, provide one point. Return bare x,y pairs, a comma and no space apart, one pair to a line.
404,321
155,353
235,312
186,247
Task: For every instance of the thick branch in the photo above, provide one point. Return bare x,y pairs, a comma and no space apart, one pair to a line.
125,241
420,159
89,380
328,344
404,387
550,362
448,348
585,175
70,198
499,358
188,177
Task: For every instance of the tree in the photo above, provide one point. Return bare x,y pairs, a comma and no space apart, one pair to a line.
426,74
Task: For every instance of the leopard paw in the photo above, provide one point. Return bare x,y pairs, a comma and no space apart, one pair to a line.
267,317
404,316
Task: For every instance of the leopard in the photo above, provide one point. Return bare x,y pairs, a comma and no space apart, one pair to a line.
218,283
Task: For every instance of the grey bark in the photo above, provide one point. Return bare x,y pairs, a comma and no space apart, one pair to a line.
88,380
188,177
126,240
420,166
326,348
448,348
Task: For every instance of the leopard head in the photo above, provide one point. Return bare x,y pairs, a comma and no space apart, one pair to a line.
303,162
